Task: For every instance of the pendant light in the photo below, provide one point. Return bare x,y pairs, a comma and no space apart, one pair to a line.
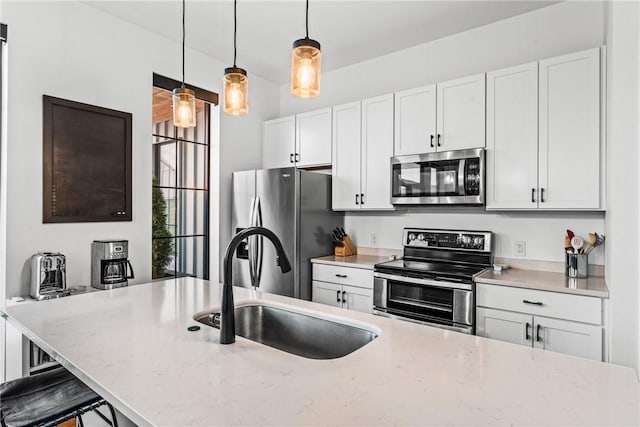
305,65
184,100
235,82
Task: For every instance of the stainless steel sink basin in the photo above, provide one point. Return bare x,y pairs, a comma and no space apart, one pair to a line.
297,333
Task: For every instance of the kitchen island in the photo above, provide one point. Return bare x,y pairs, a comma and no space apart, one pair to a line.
131,345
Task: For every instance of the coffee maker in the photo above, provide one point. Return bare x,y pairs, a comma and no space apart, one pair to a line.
48,276
110,266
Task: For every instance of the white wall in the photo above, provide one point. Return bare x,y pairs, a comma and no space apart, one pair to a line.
554,30
74,51
622,22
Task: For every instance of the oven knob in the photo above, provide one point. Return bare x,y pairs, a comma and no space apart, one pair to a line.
478,241
412,237
466,240
421,237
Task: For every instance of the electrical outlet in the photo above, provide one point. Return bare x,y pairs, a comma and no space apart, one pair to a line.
374,239
520,248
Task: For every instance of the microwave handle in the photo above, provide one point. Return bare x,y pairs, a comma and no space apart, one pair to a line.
462,190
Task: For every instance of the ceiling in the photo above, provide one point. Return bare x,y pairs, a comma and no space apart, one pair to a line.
349,31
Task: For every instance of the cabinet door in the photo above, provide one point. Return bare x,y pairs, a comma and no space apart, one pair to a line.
327,293
278,145
512,138
570,131
506,326
377,150
577,339
461,113
346,157
415,121
313,138
357,299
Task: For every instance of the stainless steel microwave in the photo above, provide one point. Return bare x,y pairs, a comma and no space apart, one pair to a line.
442,178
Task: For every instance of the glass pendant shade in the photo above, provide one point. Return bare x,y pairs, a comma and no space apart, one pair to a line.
236,91
306,59
184,108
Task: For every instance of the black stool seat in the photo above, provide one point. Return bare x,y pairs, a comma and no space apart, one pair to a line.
43,397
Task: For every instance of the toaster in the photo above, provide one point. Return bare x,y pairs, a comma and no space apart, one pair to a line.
48,276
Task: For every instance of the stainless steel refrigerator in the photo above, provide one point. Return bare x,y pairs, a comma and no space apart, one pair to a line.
296,206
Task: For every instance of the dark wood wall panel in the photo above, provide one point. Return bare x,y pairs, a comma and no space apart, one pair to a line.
87,163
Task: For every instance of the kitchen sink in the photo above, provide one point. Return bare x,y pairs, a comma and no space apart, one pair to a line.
297,333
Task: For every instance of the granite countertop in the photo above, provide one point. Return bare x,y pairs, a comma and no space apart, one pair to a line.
355,261
546,281
132,346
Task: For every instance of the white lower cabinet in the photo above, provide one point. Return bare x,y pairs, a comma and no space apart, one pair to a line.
346,287
495,319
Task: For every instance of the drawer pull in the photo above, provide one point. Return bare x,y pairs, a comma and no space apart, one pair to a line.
538,334
526,301
341,275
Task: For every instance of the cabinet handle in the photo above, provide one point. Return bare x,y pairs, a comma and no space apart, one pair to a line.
361,199
527,337
533,195
438,140
344,297
538,333
431,143
297,156
526,301
291,158
338,296
341,275
357,202
542,195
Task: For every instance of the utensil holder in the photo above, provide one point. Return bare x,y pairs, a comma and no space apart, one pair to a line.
346,249
577,265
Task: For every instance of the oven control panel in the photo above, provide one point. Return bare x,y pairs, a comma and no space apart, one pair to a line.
448,239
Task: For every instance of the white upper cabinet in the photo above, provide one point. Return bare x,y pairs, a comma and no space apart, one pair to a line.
313,138
512,137
461,113
442,117
543,134
279,138
362,151
346,157
303,140
377,150
569,162
415,121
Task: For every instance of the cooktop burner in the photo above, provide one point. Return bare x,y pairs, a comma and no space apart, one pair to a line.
442,254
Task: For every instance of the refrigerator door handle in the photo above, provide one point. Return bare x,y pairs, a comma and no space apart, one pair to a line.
251,248
260,240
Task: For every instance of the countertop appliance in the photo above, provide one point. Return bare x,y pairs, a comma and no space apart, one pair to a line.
110,265
48,276
442,178
296,206
433,283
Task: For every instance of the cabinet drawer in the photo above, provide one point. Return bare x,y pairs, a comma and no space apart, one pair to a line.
359,277
550,304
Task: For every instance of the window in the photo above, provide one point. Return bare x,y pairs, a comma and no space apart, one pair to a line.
180,236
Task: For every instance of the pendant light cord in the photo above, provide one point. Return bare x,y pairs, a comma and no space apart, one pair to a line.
235,28
307,20
183,35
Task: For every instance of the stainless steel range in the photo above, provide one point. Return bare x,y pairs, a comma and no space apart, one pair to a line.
434,281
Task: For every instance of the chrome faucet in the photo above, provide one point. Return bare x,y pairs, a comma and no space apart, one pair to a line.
227,313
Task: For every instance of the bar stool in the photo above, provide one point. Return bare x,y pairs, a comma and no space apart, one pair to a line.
48,399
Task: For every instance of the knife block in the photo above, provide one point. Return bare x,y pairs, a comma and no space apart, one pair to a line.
346,249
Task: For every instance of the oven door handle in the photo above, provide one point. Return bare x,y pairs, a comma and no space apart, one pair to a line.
423,305
424,282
